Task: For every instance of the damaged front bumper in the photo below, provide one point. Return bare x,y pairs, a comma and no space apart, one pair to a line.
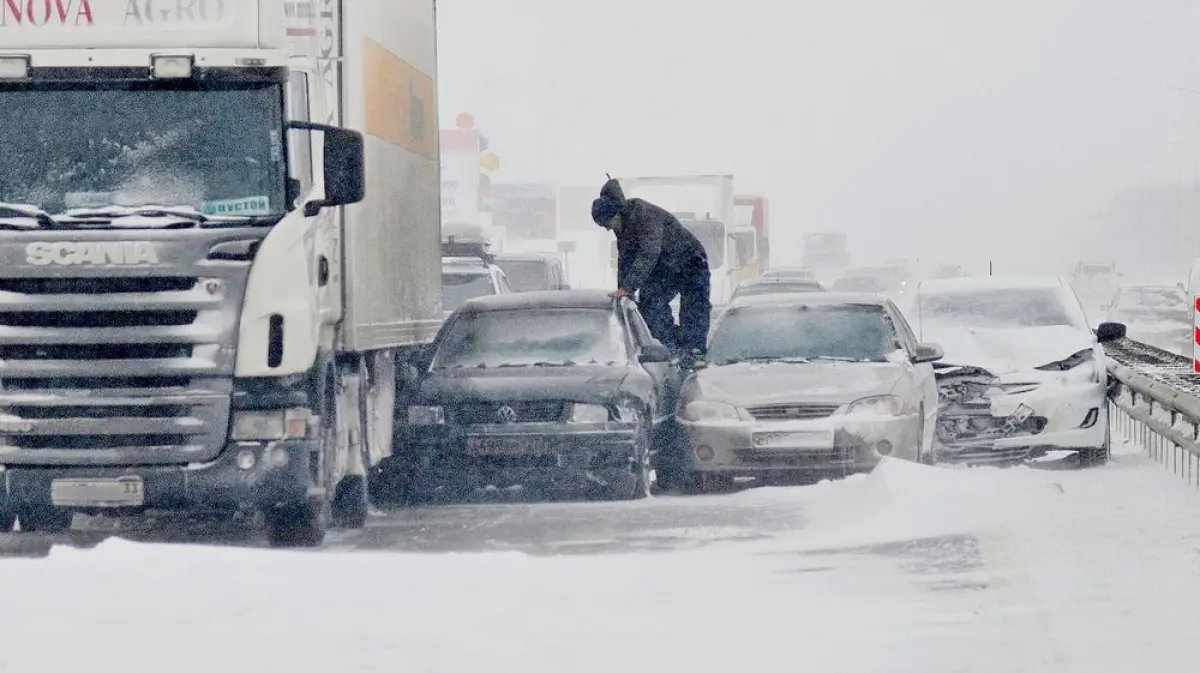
567,455
833,445
985,419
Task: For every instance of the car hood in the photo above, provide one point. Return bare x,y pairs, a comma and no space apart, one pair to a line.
579,383
1007,350
777,382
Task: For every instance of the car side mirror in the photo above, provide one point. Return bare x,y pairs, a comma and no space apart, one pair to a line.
652,353
344,166
927,352
1110,331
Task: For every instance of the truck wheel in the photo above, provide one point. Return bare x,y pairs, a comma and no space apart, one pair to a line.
350,506
45,520
7,521
296,525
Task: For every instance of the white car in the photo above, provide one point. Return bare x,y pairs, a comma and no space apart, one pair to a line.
1022,371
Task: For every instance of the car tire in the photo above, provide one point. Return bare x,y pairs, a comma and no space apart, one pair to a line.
634,485
1096,457
45,520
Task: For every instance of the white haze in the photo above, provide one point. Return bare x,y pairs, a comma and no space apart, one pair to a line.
1027,133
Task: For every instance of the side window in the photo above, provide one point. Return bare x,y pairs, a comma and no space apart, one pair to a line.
502,283
637,325
300,144
907,338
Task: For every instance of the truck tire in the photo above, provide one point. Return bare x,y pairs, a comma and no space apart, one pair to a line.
297,525
45,520
7,521
350,506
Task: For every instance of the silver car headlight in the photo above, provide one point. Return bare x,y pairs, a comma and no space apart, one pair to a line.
700,411
880,405
589,413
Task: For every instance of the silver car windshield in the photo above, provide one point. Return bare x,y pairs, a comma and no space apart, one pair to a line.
1023,307
532,337
839,332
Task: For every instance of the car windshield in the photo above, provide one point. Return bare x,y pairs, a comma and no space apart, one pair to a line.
531,337
459,287
526,275
849,332
1152,297
857,284
219,151
1028,307
774,288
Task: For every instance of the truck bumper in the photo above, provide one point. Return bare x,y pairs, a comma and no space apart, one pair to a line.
279,474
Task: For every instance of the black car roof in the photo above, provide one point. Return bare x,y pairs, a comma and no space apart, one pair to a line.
584,299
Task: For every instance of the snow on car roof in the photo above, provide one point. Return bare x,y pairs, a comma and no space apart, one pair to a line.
807,299
586,299
985,283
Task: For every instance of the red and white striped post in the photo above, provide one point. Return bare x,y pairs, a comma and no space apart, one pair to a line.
1196,334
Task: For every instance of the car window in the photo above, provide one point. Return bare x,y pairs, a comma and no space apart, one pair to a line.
855,332
459,287
638,326
532,337
906,333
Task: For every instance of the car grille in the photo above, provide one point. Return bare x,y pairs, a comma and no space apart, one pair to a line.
476,413
789,412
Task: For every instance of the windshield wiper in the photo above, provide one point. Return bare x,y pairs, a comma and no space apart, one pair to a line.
17,210
116,213
543,363
835,358
738,361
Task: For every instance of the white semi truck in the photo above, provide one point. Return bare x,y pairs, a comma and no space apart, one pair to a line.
204,279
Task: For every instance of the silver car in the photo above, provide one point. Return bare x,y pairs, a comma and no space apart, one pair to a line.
804,385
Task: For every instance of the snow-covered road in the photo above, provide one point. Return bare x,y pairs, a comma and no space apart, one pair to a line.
907,569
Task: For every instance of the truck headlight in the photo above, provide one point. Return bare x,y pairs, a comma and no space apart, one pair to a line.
881,405
271,425
699,411
419,415
589,413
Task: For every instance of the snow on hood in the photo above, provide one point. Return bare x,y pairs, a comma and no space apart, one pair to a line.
1007,350
778,382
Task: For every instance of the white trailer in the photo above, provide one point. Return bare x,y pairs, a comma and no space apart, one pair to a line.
204,280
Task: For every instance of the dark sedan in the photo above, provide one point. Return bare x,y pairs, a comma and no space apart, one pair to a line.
563,390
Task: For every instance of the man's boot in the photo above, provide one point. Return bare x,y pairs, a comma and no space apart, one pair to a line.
693,359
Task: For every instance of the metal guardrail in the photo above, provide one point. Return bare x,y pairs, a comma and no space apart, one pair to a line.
1156,402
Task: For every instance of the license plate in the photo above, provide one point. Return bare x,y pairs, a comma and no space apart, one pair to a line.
505,446
120,492
796,438
1021,414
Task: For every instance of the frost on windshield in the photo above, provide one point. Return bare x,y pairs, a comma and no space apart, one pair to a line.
1035,307
857,333
212,150
532,337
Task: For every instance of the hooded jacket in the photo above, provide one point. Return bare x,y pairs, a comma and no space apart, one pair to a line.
651,241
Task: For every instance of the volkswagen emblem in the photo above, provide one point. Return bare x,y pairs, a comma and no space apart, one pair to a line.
506,414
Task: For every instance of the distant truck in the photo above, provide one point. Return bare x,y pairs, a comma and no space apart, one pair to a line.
208,282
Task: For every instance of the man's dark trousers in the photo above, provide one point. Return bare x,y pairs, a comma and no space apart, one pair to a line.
695,306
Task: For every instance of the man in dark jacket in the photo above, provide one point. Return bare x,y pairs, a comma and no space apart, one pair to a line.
659,259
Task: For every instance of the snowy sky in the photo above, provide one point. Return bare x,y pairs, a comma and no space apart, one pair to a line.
956,130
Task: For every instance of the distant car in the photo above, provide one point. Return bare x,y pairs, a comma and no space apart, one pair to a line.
788,273
776,285
1160,315
1022,374
466,278
566,390
861,284
530,272
816,384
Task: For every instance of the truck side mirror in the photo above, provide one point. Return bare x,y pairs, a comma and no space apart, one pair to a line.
344,166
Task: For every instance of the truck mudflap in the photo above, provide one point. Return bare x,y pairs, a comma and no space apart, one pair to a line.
245,475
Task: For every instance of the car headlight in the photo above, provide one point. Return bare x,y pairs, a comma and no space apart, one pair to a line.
882,405
419,415
270,425
706,410
589,413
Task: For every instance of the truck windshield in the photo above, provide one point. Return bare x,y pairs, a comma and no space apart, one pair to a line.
219,151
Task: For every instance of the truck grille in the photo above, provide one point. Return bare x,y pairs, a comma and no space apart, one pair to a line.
792,412
121,370
476,413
